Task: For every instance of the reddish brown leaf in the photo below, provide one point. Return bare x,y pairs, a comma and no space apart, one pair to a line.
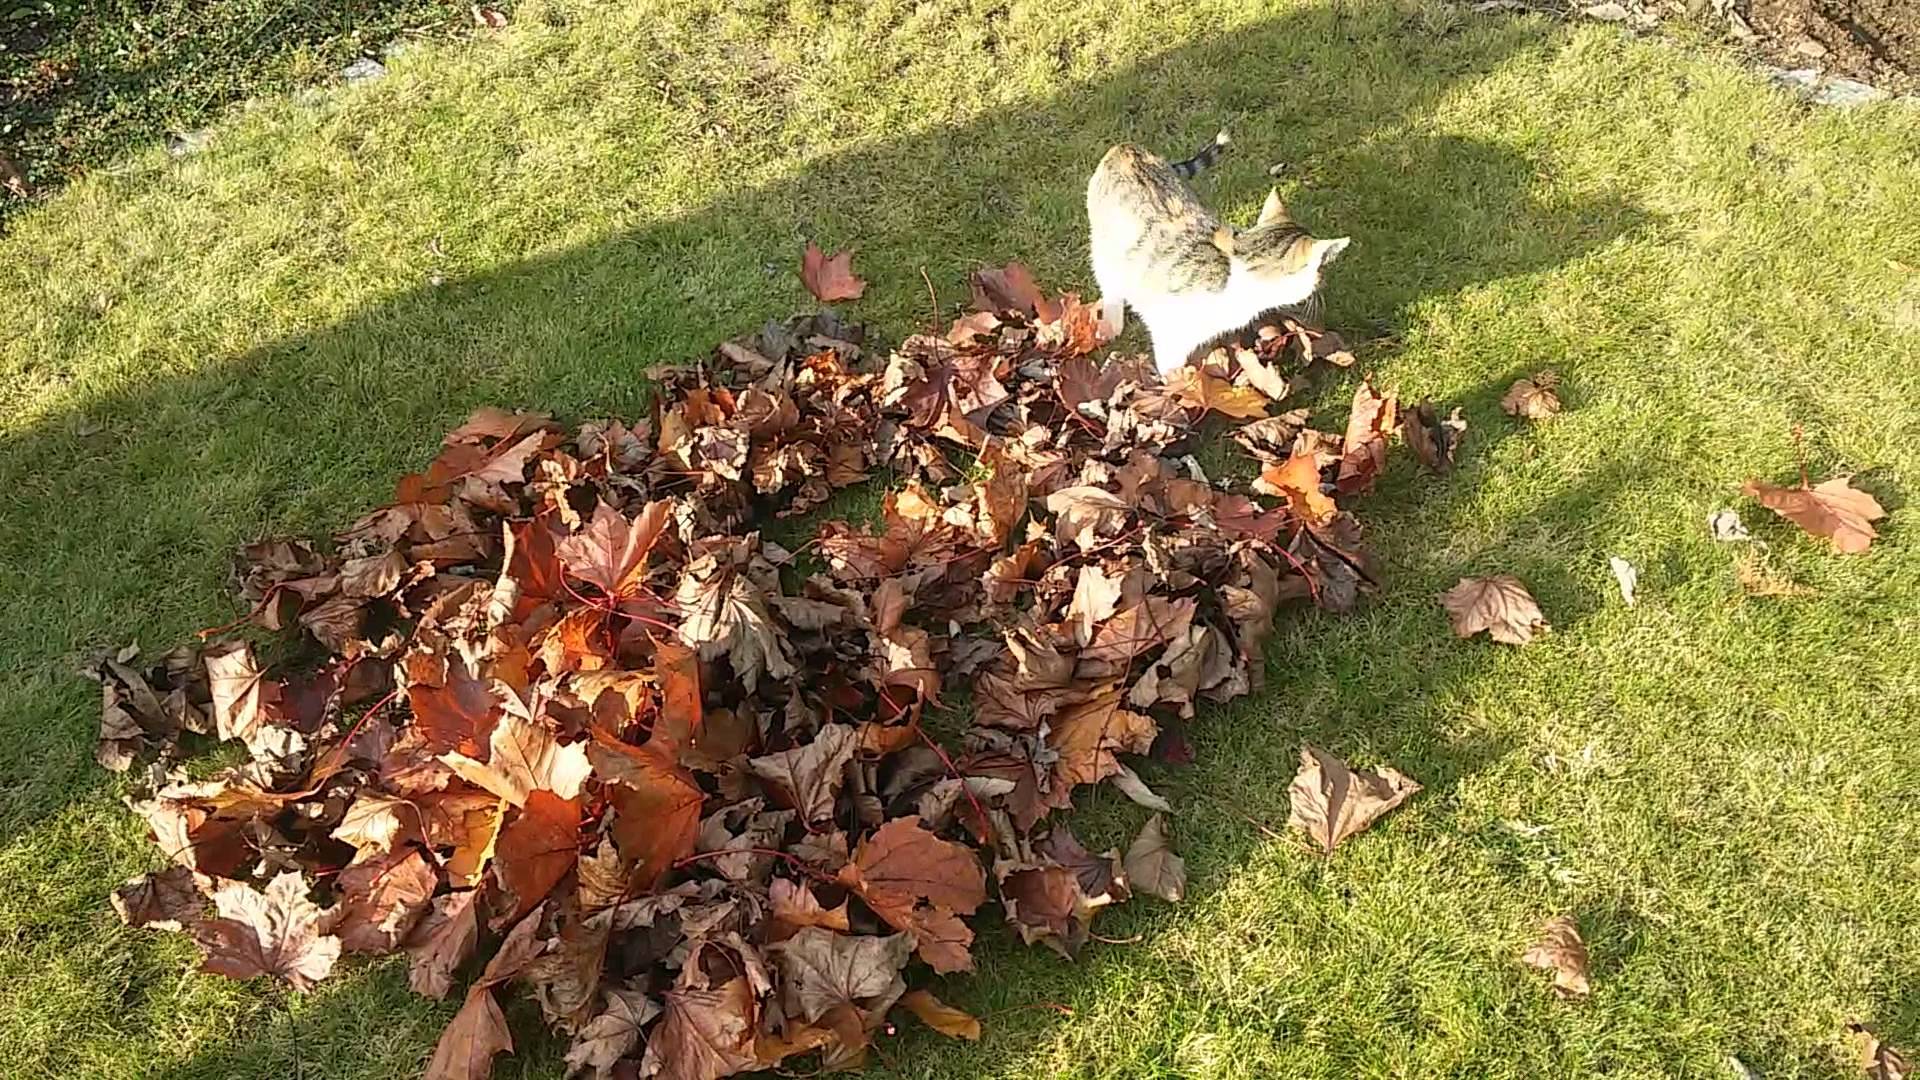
381,900
1433,440
169,899
1089,734
830,277
1199,388
795,908
1011,288
1832,508
1298,481
1373,418
656,807
537,848
467,1047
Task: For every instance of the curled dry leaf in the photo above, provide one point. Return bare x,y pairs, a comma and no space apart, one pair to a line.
1833,509
1627,575
1500,605
1434,440
1152,867
1878,1061
1332,802
1560,950
1533,399
941,1016
830,277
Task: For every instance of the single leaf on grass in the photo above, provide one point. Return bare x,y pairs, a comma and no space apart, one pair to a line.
275,933
1878,1061
830,277
1832,509
1152,867
1533,399
441,942
1433,440
941,1016
169,899
1332,801
1560,950
1011,288
537,848
1500,605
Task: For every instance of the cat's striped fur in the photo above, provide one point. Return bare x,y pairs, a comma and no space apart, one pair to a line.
1157,249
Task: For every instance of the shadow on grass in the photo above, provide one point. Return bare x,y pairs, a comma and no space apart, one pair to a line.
307,432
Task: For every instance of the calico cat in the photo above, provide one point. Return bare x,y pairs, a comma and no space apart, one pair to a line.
1190,278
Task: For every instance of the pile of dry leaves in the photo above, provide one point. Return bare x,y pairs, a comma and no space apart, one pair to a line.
714,793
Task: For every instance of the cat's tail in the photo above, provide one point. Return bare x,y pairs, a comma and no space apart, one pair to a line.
1204,160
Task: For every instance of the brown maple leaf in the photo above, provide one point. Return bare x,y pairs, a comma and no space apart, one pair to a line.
1046,906
1152,867
537,848
940,1016
381,899
611,552
526,756
830,277
169,899
244,699
903,864
823,970
1332,802
809,775
656,806
1560,950
1011,288
1500,605
479,1030
704,1033
1533,399
1087,514
612,1035
1833,509
1433,440
274,933
723,614
794,907
1087,735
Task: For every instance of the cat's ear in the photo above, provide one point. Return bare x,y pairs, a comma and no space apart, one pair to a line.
1325,251
1223,239
1273,210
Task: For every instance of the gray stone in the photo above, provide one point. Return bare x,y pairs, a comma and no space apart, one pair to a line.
363,69
184,143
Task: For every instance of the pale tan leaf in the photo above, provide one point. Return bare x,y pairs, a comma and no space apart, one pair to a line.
1332,801
1500,605
1560,950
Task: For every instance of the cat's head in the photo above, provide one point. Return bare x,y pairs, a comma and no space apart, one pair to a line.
1278,255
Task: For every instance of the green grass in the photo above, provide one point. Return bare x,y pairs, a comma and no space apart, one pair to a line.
83,81
1720,786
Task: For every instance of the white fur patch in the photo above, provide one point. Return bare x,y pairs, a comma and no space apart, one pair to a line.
1180,323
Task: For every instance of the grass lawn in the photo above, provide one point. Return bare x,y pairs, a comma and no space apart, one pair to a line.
84,81
1719,783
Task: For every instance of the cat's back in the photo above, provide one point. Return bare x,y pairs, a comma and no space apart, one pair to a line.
1134,184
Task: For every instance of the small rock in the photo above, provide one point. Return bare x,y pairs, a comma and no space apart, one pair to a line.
1607,12
1810,48
1486,6
1726,527
183,143
1738,26
1846,92
363,69
1740,1069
